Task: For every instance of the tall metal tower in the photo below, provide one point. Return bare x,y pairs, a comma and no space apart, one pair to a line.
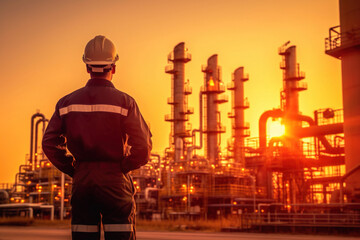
178,100
344,43
240,128
292,85
213,87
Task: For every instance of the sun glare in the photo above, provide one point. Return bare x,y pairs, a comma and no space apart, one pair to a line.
275,129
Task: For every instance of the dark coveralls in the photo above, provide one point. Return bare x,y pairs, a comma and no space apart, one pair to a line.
107,136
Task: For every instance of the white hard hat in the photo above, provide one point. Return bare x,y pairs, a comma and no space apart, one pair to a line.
100,54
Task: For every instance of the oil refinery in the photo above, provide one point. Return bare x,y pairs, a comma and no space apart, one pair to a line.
306,177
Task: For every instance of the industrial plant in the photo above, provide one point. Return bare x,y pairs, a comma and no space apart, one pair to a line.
309,176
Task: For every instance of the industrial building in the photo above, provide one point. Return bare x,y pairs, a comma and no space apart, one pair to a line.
308,175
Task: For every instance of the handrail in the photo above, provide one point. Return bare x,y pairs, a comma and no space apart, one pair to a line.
338,39
310,218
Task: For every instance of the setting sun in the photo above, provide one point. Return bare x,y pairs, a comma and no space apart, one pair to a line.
275,129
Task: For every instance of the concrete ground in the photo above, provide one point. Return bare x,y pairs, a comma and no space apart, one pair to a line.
42,233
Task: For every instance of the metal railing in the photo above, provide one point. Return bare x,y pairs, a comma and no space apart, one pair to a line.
299,86
169,68
217,88
329,116
222,98
187,89
187,57
6,185
338,39
170,118
245,104
246,125
170,100
299,75
244,78
315,219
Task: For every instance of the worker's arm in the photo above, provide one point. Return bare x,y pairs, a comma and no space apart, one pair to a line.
139,139
54,145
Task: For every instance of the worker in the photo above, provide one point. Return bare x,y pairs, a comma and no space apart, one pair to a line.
97,135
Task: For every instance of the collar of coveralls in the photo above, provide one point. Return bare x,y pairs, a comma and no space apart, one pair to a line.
99,82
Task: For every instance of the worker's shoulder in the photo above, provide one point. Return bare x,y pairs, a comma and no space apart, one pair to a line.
124,95
108,95
124,98
68,97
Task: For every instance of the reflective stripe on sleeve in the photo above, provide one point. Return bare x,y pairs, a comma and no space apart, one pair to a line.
93,108
85,228
118,227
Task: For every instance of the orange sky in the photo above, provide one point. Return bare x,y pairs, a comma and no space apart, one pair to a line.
42,43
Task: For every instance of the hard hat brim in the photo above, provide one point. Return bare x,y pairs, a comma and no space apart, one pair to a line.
99,62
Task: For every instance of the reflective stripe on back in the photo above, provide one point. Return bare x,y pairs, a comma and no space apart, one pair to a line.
118,227
93,108
85,228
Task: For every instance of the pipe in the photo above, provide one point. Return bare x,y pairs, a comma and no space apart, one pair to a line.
200,130
275,113
36,135
166,150
264,178
17,180
319,130
323,140
17,176
32,134
23,166
313,130
263,175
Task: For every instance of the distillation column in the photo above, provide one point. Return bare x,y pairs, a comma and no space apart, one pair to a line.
240,129
344,43
291,162
213,87
178,100
291,88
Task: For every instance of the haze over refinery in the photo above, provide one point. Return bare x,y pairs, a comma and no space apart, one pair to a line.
42,43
